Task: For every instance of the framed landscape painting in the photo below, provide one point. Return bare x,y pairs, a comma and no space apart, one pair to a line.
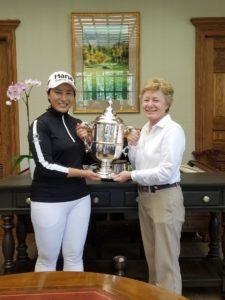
105,57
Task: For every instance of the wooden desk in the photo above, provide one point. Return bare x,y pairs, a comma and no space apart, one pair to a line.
203,192
79,285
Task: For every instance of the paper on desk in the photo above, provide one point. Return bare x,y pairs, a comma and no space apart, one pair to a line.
189,169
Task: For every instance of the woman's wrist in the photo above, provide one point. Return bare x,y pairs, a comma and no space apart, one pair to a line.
82,173
79,173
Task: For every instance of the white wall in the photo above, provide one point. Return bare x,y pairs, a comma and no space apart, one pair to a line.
167,48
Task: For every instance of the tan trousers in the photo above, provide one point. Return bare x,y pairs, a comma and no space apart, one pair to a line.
161,217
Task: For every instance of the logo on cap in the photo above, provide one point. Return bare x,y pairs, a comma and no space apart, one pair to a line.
60,76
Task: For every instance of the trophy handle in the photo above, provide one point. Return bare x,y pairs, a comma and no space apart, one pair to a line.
127,130
125,151
87,146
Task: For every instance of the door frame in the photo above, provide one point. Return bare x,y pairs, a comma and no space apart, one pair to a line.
205,28
7,33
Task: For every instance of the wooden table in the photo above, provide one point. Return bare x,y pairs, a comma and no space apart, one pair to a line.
79,285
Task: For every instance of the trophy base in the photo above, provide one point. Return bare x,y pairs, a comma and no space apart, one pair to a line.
106,171
105,176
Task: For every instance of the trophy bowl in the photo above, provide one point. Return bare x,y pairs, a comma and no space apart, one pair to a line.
107,132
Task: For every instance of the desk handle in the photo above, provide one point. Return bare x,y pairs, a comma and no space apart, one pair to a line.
28,200
96,200
206,199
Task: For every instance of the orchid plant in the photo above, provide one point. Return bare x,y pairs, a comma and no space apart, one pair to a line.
21,92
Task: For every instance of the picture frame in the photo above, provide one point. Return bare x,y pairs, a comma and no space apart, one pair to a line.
105,61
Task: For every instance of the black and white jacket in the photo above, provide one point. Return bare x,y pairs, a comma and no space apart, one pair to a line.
55,147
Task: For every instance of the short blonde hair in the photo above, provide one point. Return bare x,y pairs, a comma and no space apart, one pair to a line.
159,84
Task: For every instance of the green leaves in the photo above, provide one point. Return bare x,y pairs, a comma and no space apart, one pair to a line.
16,161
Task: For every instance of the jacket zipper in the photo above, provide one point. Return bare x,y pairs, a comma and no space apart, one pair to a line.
63,120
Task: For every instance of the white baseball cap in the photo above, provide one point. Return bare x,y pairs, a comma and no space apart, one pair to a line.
58,78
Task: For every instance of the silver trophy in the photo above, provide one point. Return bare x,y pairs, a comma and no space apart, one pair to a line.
107,144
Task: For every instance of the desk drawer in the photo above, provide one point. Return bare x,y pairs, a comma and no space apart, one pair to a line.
131,199
21,200
100,198
202,198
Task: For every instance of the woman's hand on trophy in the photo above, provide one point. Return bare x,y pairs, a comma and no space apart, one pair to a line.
88,174
133,136
122,176
85,134
82,131
81,173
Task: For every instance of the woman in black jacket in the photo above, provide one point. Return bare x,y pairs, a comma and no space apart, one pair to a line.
60,207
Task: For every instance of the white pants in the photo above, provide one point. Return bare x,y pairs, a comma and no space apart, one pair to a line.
57,225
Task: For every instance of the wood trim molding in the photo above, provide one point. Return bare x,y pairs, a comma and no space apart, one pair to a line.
208,23
9,23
